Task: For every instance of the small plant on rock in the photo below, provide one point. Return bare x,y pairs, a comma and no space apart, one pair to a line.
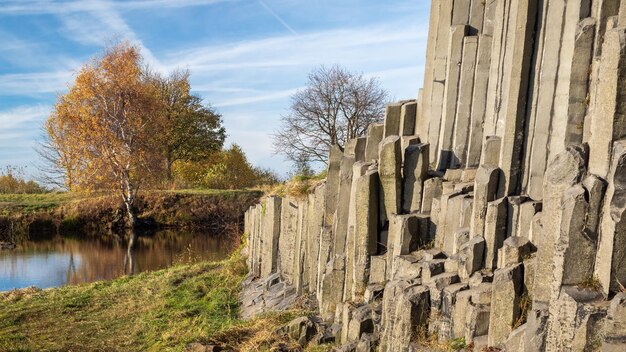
525,304
591,283
457,344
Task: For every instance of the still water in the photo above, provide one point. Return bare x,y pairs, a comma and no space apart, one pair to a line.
61,261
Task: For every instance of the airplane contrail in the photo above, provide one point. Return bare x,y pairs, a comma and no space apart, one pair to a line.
278,18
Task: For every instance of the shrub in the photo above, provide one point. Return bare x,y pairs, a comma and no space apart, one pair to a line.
13,181
227,169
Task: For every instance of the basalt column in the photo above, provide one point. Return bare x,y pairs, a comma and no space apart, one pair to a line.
492,208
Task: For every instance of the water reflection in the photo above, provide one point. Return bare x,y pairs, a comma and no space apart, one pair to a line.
62,261
129,260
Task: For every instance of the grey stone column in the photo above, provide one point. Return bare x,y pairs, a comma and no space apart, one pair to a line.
416,164
332,184
566,170
270,223
289,226
451,94
485,191
434,112
611,258
374,137
609,105
390,172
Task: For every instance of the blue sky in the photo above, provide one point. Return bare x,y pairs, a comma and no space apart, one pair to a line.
246,57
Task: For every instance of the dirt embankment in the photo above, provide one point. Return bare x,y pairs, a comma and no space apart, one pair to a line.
216,212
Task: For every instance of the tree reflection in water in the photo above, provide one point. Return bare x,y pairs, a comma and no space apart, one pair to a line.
67,260
129,259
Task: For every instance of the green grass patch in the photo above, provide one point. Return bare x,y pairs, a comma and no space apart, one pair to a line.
220,211
157,311
28,203
163,310
457,344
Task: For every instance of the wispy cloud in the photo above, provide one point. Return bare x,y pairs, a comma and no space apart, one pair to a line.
34,83
282,62
340,45
20,126
16,117
256,98
36,7
100,22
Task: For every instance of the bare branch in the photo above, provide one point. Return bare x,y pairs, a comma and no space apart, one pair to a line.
336,106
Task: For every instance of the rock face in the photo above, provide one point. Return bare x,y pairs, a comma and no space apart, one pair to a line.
492,208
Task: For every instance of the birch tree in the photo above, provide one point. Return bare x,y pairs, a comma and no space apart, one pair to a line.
103,128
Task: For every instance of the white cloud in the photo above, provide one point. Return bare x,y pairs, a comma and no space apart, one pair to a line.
99,22
35,7
19,127
14,136
340,45
272,69
17,117
256,98
267,71
34,83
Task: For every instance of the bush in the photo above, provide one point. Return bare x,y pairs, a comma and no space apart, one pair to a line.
227,169
12,181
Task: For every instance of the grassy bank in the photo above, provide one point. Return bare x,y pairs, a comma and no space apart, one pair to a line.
30,203
24,216
158,311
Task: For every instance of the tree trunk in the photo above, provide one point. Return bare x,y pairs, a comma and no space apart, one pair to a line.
131,220
129,201
168,172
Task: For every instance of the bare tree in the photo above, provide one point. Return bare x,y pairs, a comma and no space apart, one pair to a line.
337,105
55,167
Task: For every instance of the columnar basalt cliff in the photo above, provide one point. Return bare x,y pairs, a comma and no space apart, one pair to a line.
492,208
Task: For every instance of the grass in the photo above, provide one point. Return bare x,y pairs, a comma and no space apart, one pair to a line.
28,203
591,283
457,344
157,311
216,210
429,341
202,192
298,186
525,303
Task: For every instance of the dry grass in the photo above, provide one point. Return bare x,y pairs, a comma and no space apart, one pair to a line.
429,341
591,283
297,187
259,334
525,304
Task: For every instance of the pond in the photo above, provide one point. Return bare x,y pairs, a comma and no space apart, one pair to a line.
69,260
